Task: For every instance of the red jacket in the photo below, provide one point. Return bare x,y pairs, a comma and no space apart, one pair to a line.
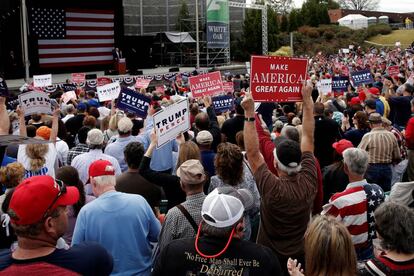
409,134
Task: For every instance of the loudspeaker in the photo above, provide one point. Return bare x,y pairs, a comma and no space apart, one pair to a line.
90,76
174,69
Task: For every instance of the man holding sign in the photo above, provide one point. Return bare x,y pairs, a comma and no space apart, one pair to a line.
296,165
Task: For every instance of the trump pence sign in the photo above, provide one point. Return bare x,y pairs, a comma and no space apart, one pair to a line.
171,121
277,79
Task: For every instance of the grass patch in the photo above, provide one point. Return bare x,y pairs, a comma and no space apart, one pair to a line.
406,37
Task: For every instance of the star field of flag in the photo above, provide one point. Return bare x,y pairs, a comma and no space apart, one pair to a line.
48,23
375,197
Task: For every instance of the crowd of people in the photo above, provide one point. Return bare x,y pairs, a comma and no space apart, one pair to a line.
320,187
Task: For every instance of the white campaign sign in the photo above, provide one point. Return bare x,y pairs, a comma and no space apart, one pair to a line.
42,80
325,86
35,102
171,121
66,97
108,92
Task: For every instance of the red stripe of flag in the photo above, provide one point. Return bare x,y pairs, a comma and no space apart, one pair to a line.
89,37
89,11
100,20
358,229
64,46
86,28
353,210
77,63
62,55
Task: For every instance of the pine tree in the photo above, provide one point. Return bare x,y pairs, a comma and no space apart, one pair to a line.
293,20
314,13
251,38
272,29
284,23
183,23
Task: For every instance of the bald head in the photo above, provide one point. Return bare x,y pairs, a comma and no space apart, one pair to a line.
202,121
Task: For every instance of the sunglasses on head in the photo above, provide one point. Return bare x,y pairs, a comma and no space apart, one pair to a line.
62,190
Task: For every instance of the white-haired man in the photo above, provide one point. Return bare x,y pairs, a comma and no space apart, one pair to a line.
355,206
116,149
122,223
94,140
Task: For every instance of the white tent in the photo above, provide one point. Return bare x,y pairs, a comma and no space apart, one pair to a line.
354,21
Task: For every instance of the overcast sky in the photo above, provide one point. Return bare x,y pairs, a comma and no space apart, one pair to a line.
385,5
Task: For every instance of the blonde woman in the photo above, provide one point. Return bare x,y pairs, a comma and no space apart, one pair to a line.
39,159
112,130
328,250
10,176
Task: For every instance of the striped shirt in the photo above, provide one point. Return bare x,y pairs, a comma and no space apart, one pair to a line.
356,211
383,266
381,145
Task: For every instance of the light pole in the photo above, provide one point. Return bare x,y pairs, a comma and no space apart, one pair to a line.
197,37
24,41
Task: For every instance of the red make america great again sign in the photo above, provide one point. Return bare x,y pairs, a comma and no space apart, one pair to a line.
207,84
277,79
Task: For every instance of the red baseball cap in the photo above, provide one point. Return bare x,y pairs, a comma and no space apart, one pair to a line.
374,91
37,195
355,100
362,96
101,167
342,145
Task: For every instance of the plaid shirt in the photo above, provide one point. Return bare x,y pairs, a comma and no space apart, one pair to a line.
401,142
79,149
176,225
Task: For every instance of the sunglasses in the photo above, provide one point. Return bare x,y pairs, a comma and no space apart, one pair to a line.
62,190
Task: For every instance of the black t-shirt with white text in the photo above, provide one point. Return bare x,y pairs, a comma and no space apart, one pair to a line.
245,258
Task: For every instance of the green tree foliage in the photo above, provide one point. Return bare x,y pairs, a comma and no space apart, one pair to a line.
333,5
294,17
284,23
272,30
250,41
183,23
314,12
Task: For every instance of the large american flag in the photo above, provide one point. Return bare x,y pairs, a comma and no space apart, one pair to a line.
73,37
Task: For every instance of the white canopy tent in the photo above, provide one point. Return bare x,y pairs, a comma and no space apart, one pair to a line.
177,37
354,21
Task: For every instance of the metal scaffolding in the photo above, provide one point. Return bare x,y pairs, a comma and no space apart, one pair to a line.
263,8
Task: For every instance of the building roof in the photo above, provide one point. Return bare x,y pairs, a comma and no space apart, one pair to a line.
394,17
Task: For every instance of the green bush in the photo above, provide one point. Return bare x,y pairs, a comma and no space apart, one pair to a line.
309,31
377,29
329,35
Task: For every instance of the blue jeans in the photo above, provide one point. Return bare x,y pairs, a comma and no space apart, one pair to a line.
380,174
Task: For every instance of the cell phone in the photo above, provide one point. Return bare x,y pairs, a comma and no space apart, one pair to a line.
163,206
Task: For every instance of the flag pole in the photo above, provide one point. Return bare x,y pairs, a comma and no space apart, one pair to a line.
24,41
